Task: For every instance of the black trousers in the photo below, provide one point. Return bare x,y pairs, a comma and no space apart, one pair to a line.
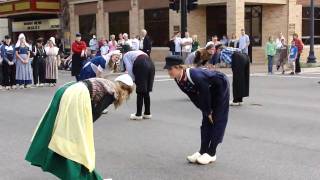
144,72
143,98
9,74
39,70
208,143
298,67
1,76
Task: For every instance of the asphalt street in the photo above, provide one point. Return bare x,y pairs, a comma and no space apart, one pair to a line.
275,135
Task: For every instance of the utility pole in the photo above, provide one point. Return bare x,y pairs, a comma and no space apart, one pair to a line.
183,17
311,57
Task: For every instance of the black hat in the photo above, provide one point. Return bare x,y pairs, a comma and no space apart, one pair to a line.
173,61
7,37
78,35
125,48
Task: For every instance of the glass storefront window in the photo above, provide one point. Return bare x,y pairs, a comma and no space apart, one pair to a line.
119,23
306,25
87,25
156,22
253,24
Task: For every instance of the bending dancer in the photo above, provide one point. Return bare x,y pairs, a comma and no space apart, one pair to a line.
63,143
141,68
209,91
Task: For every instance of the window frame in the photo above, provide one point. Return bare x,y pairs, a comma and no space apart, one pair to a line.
251,26
306,30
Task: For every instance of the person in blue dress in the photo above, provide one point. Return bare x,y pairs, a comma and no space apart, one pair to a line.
209,92
96,66
23,63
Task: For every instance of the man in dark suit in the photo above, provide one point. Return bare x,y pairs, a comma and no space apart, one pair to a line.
145,42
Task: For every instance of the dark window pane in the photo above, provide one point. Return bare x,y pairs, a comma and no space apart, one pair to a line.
306,25
253,24
87,25
216,21
156,22
119,23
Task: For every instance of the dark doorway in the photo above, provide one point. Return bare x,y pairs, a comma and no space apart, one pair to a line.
216,21
157,24
87,25
119,23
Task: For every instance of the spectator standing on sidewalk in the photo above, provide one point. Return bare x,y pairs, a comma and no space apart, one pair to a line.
244,42
1,71
177,44
283,56
145,42
9,63
105,47
135,43
270,53
195,43
121,40
38,63
298,42
94,45
186,43
233,42
126,40
78,55
113,43
293,54
23,64
52,61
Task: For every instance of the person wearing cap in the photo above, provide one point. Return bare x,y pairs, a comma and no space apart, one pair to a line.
23,64
39,63
78,55
240,65
63,143
96,66
209,92
52,59
93,44
8,64
141,68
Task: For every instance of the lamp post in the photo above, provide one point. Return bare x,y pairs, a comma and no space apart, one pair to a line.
311,57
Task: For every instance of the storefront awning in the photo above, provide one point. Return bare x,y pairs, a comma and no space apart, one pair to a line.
207,2
12,8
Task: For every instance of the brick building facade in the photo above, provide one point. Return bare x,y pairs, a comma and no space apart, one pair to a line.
260,18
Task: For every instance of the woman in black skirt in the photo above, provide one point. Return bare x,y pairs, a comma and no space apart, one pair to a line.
240,65
78,56
141,68
209,92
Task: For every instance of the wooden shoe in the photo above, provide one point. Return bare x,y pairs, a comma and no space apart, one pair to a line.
134,117
193,158
206,159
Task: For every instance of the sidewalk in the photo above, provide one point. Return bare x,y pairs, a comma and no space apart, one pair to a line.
254,68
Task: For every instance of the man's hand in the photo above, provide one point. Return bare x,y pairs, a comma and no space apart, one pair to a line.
210,118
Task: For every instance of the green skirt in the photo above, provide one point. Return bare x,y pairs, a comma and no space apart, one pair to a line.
40,155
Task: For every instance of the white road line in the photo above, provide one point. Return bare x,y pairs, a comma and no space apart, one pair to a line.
163,78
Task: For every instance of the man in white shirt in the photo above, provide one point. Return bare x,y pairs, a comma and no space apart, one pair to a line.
126,39
244,42
94,44
186,43
135,43
177,42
